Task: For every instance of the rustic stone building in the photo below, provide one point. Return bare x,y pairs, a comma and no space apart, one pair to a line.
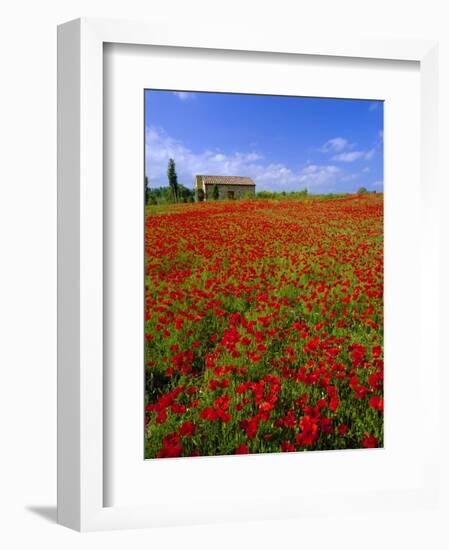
229,187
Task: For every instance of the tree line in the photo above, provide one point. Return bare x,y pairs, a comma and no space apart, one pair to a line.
173,193
176,192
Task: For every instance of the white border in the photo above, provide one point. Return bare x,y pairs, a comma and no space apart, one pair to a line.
80,248
130,480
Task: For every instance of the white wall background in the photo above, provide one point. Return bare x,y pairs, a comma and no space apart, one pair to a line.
28,268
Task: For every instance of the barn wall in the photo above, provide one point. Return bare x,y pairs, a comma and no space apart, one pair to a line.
239,191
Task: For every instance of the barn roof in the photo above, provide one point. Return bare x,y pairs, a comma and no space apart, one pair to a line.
226,180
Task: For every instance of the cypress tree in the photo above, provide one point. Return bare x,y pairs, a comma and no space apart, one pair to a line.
172,179
147,191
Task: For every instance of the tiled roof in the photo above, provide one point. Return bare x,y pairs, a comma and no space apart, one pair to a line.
226,180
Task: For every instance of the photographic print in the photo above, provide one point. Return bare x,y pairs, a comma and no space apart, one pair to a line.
264,288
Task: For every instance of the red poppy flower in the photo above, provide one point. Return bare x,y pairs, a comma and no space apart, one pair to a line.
377,403
326,425
287,447
309,432
334,403
208,414
170,452
342,429
369,441
187,428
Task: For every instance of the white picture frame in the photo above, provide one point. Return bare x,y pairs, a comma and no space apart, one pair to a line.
81,488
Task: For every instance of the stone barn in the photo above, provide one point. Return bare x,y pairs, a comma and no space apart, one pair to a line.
229,187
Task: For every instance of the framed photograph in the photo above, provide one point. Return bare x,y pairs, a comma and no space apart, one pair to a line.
246,274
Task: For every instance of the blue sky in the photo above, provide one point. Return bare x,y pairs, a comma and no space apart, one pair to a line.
283,143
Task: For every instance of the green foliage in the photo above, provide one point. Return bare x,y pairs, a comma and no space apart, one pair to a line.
164,195
215,193
362,190
265,195
200,195
185,194
282,195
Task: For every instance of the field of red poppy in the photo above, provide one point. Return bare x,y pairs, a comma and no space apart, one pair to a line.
264,326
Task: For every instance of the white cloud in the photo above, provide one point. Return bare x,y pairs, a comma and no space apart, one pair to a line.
335,145
277,177
159,147
344,150
184,96
316,176
351,156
